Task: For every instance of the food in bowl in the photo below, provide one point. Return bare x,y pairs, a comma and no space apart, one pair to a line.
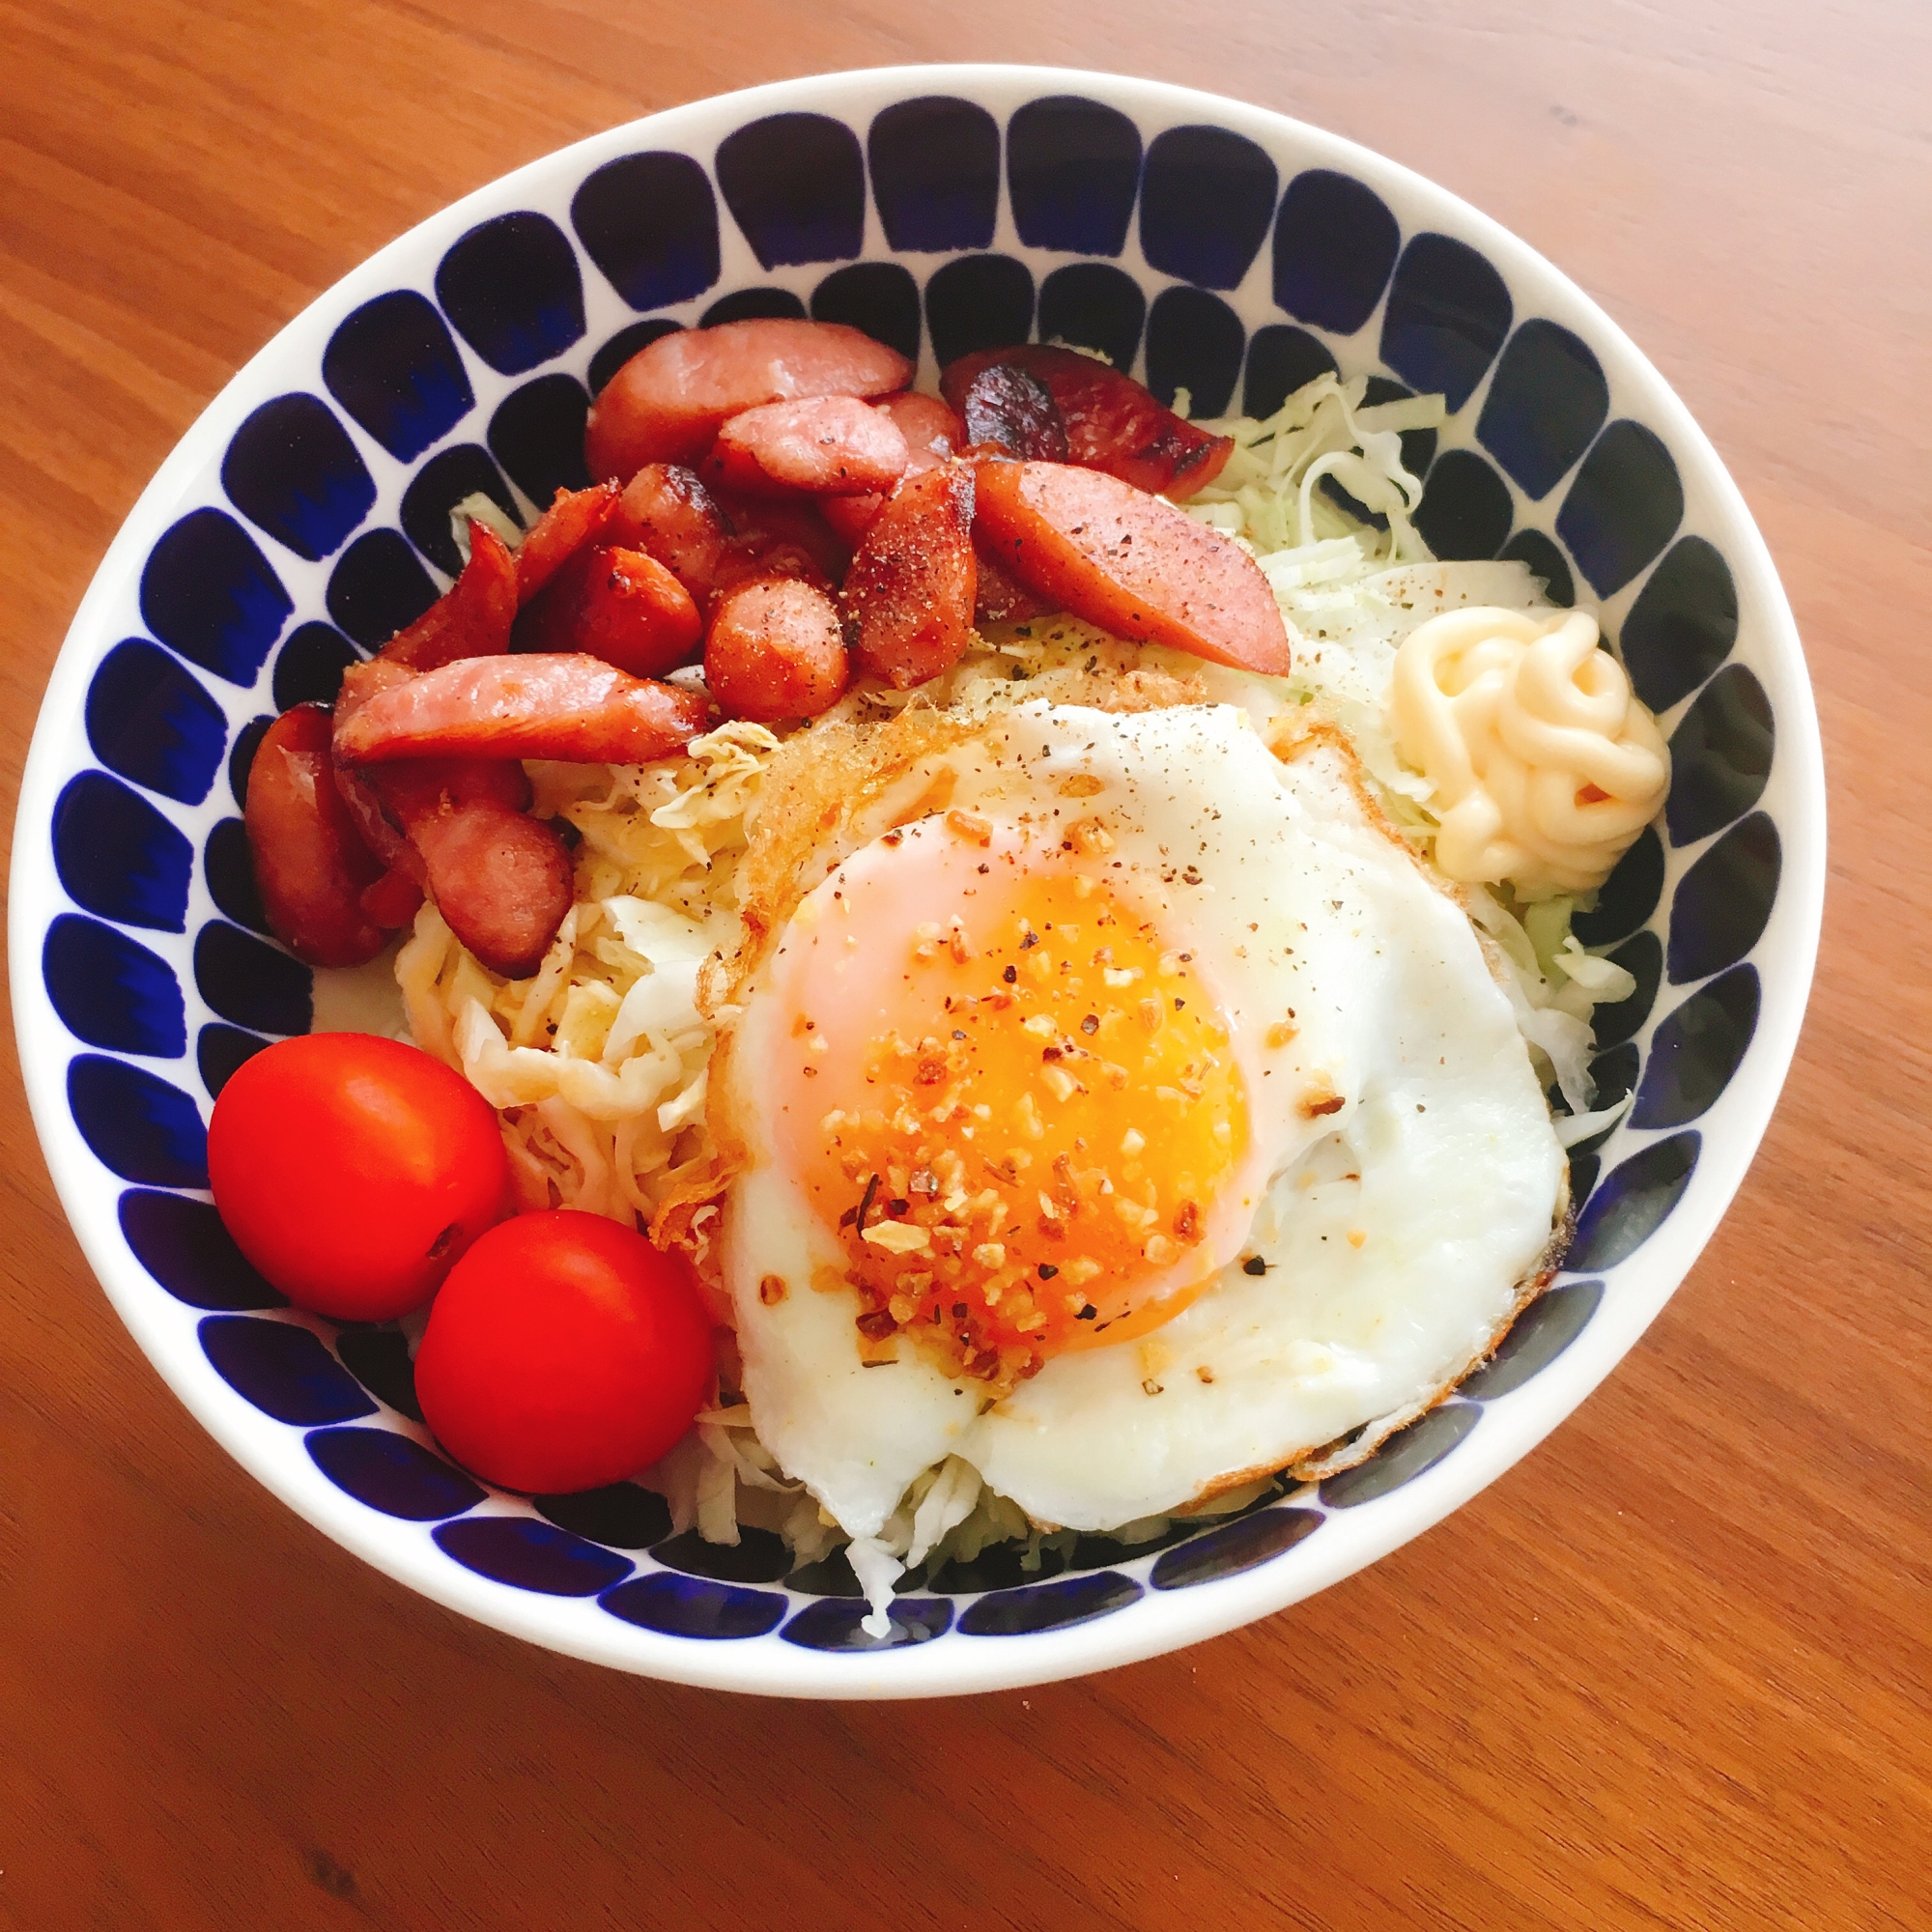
1075,970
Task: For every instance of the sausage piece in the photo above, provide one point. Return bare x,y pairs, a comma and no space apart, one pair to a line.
575,518
997,599
1113,423
622,605
472,619
932,433
667,513
1131,563
311,866
1009,409
501,879
668,402
567,707
909,594
826,446
775,651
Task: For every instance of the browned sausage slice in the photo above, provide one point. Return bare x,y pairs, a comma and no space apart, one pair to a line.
824,447
667,513
472,619
1012,411
909,594
566,706
775,651
501,879
1129,562
575,518
311,864
622,605
672,398
932,433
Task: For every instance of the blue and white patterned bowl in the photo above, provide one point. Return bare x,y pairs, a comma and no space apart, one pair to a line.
1204,243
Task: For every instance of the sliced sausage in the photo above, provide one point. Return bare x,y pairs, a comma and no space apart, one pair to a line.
567,707
666,512
311,864
909,594
472,619
997,597
392,900
781,536
1006,407
575,518
668,402
775,650
1113,423
825,446
500,878
932,433
1129,562
622,605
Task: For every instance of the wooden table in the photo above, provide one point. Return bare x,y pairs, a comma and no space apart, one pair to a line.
1671,1672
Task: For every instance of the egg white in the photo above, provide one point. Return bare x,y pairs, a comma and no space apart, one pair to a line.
1396,1232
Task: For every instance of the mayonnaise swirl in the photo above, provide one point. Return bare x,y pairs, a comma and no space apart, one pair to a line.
1546,767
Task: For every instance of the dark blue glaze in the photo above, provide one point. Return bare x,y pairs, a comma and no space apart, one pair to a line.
1544,560
1628,896
1536,1338
377,589
532,1556
392,1473
117,856
880,298
1682,624
1549,399
1448,313
283,1369
758,1557
393,367
1072,169
1096,306
109,990
978,301
379,1358
625,344
1047,1607
1094,1551
537,435
1236,1546
208,592
832,1624
292,471
1723,903
1720,757
149,720
1695,1050
935,173
241,759
250,983
310,665
1002,1566
1631,1202
621,1515
1615,1073
1582,1178
1282,359
183,1245
512,291
1624,506
463,470
686,1606
752,305
1642,957
1403,1456
650,222
830,1577
796,185
1194,342
229,866
1466,509
1335,243
1206,199
219,1050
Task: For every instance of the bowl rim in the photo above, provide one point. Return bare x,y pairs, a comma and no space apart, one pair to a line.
1160,1622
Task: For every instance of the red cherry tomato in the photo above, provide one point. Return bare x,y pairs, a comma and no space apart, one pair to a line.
354,1171
563,1353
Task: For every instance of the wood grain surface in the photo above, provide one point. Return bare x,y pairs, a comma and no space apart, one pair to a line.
1671,1672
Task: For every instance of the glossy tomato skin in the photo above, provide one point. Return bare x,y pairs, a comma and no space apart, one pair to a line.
354,1171
563,1353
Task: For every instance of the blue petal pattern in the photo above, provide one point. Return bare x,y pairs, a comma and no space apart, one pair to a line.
622,1515
978,301
241,759
935,173
250,983
1465,508
183,1245
752,305
1194,342
309,667
219,1051
796,185
292,471
208,592
650,222
1696,1049
229,866
1629,897
687,1606
1206,199
149,720
1623,508
1536,1338
537,435
1073,167
880,298
1682,624
1448,313
1403,1456
1530,547
117,856
1236,1547
379,588
512,290
532,1556
393,367
392,1473
1549,399
1641,956
1096,306
463,470
1631,1202
832,1624
1047,1607
1720,757
758,1557
135,1124
1282,359
109,990
379,1358
1723,902
1335,243
283,1369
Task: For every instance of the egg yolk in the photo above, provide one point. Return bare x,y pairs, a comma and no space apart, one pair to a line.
1014,1100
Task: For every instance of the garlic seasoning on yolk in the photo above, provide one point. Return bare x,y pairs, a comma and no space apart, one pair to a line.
1546,766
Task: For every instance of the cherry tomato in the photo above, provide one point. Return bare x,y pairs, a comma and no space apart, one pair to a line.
563,1353
354,1171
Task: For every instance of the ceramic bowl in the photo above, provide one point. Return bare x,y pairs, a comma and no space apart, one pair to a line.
1206,245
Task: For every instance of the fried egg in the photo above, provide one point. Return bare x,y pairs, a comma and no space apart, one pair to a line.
1142,1120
